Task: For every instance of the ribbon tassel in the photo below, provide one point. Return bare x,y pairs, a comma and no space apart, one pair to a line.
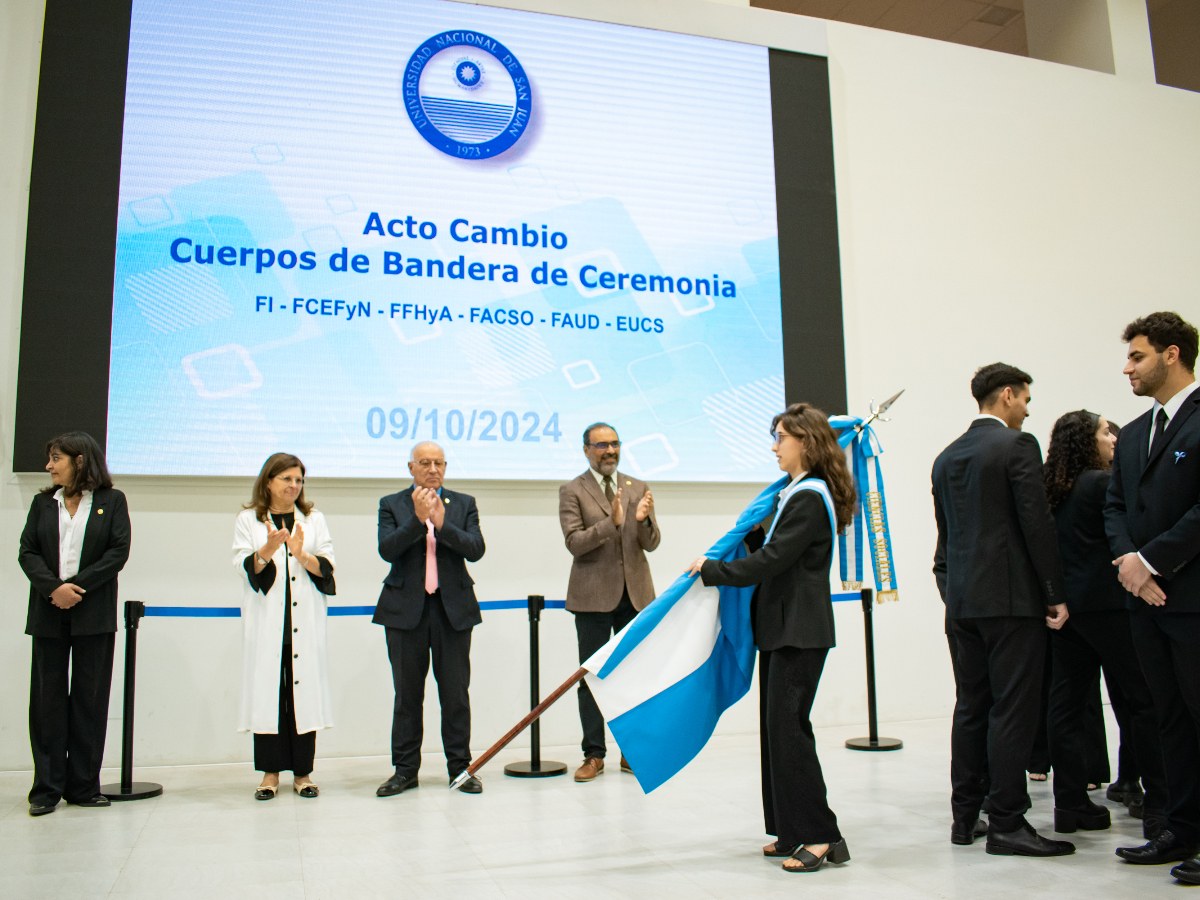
874,540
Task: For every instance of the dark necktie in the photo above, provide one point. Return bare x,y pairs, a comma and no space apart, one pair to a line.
1159,427
608,488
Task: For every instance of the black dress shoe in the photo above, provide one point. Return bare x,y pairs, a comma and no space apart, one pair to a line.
964,833
1188,872
1125,791
397,784
1166,847
98,800
1153,822
1090,817
471,786
1025,842
35,810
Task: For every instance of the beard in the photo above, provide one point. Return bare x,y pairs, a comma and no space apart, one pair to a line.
607,465
1152,380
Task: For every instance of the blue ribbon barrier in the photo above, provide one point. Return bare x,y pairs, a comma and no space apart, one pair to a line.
233,612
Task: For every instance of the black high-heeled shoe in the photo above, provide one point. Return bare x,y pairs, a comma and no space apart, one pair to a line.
836,853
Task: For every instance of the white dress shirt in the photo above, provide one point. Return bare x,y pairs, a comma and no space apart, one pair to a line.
600,479
70,533
1172,407
990,416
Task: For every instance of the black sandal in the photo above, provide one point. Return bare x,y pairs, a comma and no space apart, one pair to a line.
777,852
836,853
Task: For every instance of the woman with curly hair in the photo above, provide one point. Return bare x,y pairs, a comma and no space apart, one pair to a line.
1098,632
792,617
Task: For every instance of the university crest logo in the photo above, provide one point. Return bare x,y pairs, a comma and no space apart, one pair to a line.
467,95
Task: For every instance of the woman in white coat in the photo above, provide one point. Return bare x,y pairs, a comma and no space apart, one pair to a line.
282,550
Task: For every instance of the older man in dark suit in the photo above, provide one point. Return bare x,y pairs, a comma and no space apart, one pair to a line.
608,523
428,608
1152,518
998,570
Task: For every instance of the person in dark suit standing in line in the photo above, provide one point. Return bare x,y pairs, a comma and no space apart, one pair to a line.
428,533
998,571
792,616
1152,518
1098,633
75,541
608,524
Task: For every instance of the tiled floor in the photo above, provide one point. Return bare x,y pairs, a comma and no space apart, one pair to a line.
699,836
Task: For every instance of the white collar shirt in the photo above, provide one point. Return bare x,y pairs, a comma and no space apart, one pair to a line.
70,533
1171,406
600,478
990,416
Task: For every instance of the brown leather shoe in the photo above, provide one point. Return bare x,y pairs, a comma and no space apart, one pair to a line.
625,767
592,766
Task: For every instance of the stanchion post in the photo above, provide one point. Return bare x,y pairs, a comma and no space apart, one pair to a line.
129,789
873,741
535,768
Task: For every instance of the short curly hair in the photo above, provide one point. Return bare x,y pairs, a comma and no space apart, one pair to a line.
1073,450
1166,329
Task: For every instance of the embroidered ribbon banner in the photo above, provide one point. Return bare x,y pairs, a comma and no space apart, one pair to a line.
862,454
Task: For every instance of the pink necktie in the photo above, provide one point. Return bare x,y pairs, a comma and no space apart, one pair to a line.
431,582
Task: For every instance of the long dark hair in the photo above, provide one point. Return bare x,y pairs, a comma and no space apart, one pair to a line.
822,455
260,498
1073,449
91,473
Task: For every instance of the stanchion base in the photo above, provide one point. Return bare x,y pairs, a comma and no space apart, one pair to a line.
546,769
879,744
142,790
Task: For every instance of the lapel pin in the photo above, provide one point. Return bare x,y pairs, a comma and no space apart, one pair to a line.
1179,454
99,512
445,499
629,483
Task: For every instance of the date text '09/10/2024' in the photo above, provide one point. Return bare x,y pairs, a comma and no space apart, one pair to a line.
482,425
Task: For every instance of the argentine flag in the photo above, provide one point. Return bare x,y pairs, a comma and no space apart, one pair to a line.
663,682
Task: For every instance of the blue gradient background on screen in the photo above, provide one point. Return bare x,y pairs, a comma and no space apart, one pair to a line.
281,125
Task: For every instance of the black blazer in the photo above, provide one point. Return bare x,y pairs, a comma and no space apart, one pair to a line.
105,550
1091,578
1154,505
997,548
792,606
402,543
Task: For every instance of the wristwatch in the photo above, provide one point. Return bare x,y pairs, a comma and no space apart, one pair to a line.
260,560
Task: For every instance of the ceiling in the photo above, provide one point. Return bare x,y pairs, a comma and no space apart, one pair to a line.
996,25
1000,25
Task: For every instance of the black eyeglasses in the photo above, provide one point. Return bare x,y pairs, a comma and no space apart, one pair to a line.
604,445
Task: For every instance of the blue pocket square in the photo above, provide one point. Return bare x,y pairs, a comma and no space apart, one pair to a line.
1179,454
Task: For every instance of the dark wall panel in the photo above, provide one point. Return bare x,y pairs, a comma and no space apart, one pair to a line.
70,251
810,274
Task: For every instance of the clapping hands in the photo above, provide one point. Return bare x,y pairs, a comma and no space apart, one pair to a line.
428,506
295,541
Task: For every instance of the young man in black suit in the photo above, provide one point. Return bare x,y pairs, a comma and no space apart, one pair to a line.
1153,522
428,607
998,571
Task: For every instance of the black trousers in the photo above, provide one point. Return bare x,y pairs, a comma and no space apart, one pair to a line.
1087,643
998,668
409,651
593,629
1127,767
1167,646
794,800
1039,756
68,715
286,751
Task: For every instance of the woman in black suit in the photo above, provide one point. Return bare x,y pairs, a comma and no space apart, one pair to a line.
792,615
75,541
1097,634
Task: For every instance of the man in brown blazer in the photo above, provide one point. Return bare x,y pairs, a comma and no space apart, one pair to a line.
608,522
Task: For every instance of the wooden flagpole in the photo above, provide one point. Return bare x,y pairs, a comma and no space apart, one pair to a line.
516,729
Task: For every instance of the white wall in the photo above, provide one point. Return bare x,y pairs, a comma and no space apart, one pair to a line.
991,207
